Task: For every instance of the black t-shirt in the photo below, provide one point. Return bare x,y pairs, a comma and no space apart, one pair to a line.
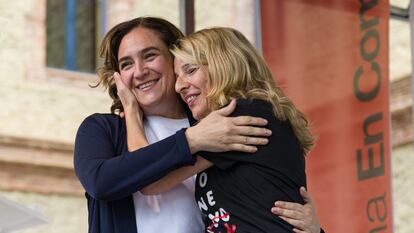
236,194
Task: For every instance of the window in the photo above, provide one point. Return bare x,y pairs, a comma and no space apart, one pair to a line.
71,32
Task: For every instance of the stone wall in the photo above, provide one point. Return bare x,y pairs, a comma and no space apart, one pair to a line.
403,184
67,214
41,108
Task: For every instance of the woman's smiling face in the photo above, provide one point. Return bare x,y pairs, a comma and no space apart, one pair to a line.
191,84
146,66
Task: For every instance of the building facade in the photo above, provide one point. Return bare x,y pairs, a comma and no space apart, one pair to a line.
45,94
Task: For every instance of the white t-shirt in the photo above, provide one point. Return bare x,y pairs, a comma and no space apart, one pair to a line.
174,211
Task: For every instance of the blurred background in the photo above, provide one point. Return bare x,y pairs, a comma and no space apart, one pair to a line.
48,56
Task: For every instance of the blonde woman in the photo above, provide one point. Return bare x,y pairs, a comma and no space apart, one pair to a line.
214,66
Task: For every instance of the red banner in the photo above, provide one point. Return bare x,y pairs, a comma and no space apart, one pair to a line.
331,58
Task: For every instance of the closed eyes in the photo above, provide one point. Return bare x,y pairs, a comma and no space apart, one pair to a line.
190,69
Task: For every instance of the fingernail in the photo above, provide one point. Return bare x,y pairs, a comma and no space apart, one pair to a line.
269,132
265,141
276,209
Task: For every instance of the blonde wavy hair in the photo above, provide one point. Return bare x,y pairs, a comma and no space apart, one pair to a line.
236,70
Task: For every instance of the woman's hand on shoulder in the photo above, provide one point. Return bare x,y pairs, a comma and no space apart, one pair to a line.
218,132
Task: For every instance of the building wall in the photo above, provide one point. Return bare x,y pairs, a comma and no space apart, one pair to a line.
41,108
400,54
402,123
403,173
37,103
67,214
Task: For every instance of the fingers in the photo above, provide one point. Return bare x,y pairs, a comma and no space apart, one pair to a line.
248,120
242,148
245,140
120,85
252,131
124,93
290,213
306,197
228,109
285,205
302,217
118,82
296,223
298,231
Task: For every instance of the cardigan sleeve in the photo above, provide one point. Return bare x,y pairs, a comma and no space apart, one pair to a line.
107,173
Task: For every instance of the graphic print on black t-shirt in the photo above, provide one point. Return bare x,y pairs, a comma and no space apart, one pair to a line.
214,218
236,194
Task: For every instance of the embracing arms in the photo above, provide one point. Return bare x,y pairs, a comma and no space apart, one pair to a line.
108,172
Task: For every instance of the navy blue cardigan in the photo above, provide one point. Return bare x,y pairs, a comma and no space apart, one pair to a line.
110,174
